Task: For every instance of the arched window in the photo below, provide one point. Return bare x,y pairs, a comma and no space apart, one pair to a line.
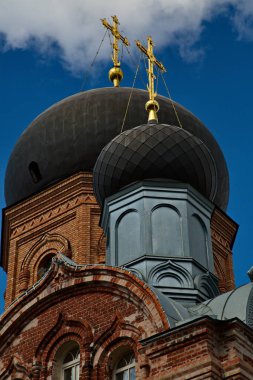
125,367
67,362
70,365
34,172
44,265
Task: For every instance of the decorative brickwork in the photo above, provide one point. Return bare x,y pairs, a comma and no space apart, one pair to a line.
204,349
101,308
61,218
223,232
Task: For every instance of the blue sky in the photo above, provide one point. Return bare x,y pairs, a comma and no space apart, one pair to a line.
208,54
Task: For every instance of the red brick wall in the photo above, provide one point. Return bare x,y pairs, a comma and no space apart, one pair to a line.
223,233
62,218
204,349
100,308
105,308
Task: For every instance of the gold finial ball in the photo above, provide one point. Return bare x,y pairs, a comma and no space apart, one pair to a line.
116,75
152,105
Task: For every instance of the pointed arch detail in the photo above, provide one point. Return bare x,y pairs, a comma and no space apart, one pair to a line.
171,273
47,245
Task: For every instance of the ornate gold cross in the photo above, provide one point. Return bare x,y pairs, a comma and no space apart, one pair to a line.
152,105
115,74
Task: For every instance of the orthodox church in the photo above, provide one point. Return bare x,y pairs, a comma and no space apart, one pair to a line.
117,245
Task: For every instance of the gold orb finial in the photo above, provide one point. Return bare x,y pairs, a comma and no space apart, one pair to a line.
152,106
115,75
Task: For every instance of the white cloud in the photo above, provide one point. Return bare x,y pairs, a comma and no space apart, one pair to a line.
72,29
243,19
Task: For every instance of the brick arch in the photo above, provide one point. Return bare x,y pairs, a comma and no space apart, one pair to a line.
102,368
48,243
98,278
63,326
121,290
64,330
118,330
114,281
122,333
47,366
57,241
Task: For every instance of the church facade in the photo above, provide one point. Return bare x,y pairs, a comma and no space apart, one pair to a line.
118,248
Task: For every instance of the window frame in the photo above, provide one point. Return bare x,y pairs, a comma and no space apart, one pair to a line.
62,353
75,363
128,367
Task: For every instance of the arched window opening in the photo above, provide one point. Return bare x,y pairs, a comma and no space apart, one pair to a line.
67,362
44,265
124,368
70,366
34,172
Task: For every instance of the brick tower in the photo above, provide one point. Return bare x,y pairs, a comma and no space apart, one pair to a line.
118,248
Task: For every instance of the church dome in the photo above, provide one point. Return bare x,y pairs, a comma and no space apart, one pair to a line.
238,303
155,151
69,136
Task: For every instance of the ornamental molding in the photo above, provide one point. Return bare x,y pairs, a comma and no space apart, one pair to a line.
170,270
76,186
206,285
44,218
118,330
26,224
63,326
56,241
69,280
224,242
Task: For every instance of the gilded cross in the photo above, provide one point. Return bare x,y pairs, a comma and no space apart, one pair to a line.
152,105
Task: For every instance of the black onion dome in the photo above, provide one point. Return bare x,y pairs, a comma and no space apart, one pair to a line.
69,136
155,151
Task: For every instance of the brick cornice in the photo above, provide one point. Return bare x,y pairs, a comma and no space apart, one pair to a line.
199,326
57,194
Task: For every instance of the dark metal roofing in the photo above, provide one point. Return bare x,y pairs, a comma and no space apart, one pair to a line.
174,311
156,151
237,303
69,136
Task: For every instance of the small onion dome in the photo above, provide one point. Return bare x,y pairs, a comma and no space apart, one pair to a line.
155,151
